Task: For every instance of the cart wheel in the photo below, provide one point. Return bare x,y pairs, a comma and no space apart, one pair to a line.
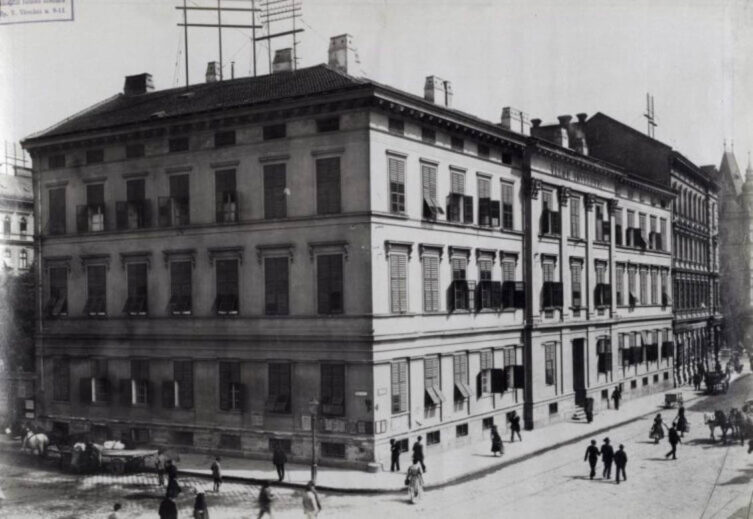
117,467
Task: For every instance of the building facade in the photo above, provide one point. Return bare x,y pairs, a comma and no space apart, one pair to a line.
326,251
17,216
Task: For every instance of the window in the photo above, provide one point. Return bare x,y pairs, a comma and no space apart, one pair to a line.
460,290
175,209
95,156
618,227
428,135
6,226
91,217
58,302
225,196
399,382
642,227
666,299
432,438
333,389
431,283
136,304
602,225
177,144
619,284
22,225
483,151
398,283
276,285
604,355
134,151
576,272
459,206
135,211
487,423
274,131
23,259
396,126
182,386
506,158
652,237
460,376
632,299
96,290
429,182
278,399
432,389
575,217
329,274
275,190
550,219
488,293
488,209
226,302
333,450
461,430
224,138
553,408
457,144
630,239
330,124
549,364
61,380
56,161
231,389
140,394
97,387
180,288
654,285
644,286
328,186
662,237
507,206
397,185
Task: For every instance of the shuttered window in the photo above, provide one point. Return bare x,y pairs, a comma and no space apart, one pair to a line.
549,363
508,270
399,382
96,290
398,283
183,377
487,360
56,223
429,185
663,237
431,372
137,303
227,286
58,302
548,271
140,382
654,286
329,273
276,286
507,205
644,286
231,389
575,217
333,389
431,283
328,186
225,196
457,182
180,287
620,284
397,184
484,188
459,268
275,203
576,270
460,368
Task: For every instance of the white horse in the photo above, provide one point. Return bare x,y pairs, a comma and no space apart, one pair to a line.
37,443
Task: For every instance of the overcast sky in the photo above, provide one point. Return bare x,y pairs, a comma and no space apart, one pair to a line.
545,57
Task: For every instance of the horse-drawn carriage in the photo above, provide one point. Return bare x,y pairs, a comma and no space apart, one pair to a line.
717,382
673,400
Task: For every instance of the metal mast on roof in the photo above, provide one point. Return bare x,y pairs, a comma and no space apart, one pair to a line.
219,25
273,11
650,115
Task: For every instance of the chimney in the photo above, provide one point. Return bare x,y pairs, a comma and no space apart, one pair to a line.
581,146
283,61
342,54
448,94
561,133
434,90
138,84
535,123
213,72
516,120
582,118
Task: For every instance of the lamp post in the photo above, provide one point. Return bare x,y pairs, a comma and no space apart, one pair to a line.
314,409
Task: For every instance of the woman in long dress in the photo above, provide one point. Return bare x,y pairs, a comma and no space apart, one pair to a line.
497,447
415,480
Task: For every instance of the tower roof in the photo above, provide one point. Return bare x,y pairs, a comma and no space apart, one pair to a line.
730,168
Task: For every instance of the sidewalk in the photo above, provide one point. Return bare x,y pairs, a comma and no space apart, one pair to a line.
444,468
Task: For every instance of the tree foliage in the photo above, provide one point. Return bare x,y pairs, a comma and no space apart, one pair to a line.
17,311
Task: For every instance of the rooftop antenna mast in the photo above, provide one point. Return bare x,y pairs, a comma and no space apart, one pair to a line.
274,11
650,115
219,25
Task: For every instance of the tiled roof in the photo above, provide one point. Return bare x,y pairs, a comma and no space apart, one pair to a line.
122,110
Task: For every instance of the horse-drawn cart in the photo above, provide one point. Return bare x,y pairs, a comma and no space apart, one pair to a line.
717,382
118,461
673,400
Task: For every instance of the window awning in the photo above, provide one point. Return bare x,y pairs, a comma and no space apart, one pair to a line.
435,395
463,389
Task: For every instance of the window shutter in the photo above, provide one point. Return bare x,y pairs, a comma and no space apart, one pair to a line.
85,390
518,377
544,221
168,394
431,283
121,215
520,294
495,213
467,209
398,281
124,390
498,380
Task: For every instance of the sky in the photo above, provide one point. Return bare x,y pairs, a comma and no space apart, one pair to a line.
545,57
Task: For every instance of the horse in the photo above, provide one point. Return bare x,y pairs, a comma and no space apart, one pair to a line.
738,424
718,419
37,443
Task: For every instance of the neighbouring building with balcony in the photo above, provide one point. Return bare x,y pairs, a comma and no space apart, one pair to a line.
217,256
695,235
17,215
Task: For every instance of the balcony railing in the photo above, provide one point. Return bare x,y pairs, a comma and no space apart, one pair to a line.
173,212
133,214
90,218
226,207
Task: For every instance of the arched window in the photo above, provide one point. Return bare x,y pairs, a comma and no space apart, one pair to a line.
22,225
23,259
6,225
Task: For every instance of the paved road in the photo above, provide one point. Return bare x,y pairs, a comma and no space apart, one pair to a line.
708,481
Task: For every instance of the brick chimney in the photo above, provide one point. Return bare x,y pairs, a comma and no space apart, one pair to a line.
283,61
138,84
438,91
343,55
580,145
516,120
561,134
213,72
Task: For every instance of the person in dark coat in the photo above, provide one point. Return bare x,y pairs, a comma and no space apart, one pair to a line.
265,500
674,439
681,422
394,456
216,474
418,454
171,469
514,420
592,456
607,455
589,407
620,460
497,447
616,397
168,509
200,510
173,489
279,459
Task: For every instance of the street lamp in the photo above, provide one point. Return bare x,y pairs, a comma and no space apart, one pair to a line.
314,409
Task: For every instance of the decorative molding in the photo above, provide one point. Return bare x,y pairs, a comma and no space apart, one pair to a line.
224,164
488,253
533,186
563,195
423,248
614,205
57,261
287,248
225,253
459,251
338,246
144,256
399,154
135,174
95,259
56,183
429,162
185,254
508,256
340,150
92,180
397,246
178,169
589,201
280,157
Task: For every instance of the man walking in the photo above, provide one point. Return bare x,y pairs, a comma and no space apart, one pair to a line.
616,396
607,455
620,460
394,455
418,454
514,420
592,456
674,439
216,474
279,459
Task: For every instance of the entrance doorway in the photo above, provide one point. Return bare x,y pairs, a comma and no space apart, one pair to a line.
579,371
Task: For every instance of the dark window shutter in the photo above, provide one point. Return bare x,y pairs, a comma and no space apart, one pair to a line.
520,294
82,218
496,294
495,213
467,209
544,221
168,394
499,380
241,396
518,377
85,390
556,222
557,294
124,391
121,215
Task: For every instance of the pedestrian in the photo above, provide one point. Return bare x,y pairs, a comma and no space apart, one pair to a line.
265,500
616,396
394,455
497,447
589,407
168,509
592,456
657,429
115,509
674,439
173,489
279,458
418,454
216,474
681,422
200,510
607,455
311,504
172,470
697,381
159,465
620,460
414,479
514,420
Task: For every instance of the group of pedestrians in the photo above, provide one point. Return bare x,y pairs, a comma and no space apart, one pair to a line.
608,456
